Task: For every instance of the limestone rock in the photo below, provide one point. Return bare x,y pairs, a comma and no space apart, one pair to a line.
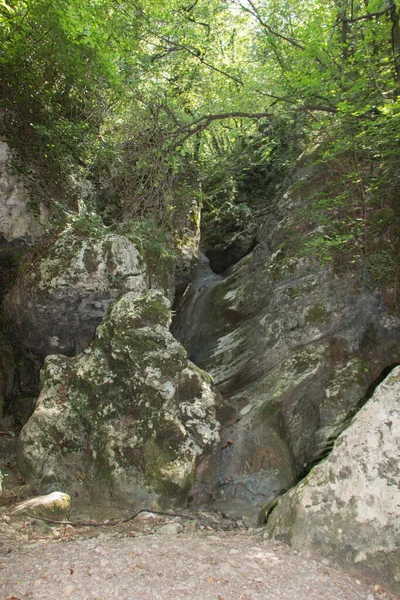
292,346
187,239
128,418
170,529
18,219
228,236
52,506
56,304
347,508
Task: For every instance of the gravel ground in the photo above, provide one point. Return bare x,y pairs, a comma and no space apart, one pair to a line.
167,565
202,555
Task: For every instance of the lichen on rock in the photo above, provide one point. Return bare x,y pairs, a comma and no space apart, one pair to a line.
54,506
19,219
63,293
346,509
127,418
292,344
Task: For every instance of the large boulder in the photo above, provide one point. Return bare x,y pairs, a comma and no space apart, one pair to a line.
292,344
65,290
128,418
347,508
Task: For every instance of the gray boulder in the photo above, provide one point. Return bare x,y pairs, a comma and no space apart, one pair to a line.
60,298
128,418
347,508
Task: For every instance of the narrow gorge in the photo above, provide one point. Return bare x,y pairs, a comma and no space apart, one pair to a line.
283,356
200,284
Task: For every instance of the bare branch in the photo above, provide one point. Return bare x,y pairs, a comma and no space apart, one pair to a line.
368,16
254,12
197,54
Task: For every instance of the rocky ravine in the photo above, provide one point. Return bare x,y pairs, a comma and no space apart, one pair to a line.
293,346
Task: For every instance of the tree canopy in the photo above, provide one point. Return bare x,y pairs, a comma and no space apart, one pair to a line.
169,86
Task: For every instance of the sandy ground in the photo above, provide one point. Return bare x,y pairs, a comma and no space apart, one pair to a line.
158,558
204,555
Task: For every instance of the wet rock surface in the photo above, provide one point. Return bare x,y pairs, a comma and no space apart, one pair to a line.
292,345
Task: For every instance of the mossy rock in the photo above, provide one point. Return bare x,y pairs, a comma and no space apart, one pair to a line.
128,418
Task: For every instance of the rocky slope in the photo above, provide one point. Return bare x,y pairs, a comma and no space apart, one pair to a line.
293,346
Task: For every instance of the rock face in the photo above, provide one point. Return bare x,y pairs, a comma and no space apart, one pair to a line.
187,239
52,506
229,237
6,370
347,508
18,220
128,418
292,346
62,296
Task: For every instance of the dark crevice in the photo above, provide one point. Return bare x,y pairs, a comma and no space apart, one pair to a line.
347,422
332,439
223,259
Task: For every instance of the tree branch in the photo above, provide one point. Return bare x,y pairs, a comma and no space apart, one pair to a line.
265,25
197,54
368,16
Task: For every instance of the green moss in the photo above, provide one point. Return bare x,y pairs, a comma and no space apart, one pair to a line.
316,314
292,293
154,310
90,260
159,456
369,339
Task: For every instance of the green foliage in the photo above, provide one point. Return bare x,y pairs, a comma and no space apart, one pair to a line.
154,244
88,225
154,99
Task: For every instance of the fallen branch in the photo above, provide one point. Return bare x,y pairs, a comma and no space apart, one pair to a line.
114,523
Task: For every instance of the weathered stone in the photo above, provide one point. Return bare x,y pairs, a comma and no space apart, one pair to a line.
347,508
170,529
228,236
52,506
293,347
127,418
186,242
59,300
18,218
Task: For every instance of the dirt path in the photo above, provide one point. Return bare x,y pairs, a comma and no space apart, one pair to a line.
167,565
206,555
